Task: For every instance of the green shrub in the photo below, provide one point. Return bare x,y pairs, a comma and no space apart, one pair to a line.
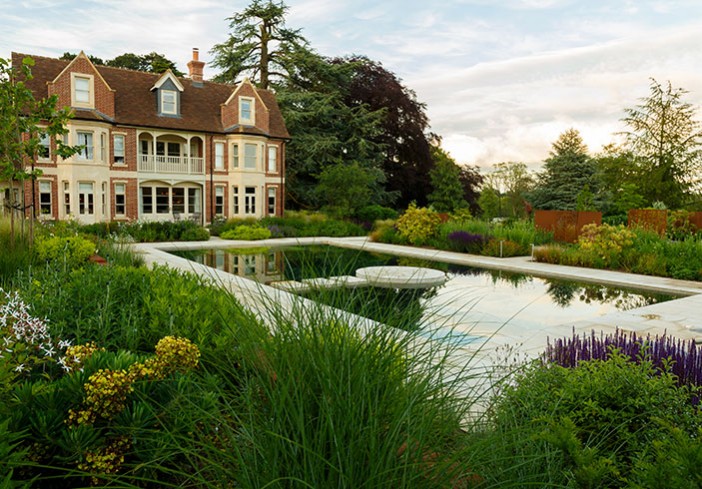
418,224
375,212
125,307
72,251
606,243
246,233
602,417
461,215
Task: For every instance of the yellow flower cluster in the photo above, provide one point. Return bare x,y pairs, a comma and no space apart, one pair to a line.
75,355
106,390
107,459
177,354
105,396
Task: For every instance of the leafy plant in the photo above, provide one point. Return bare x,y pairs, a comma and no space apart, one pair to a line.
418,224
72,251
247,233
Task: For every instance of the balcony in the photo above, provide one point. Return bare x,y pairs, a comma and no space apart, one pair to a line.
171,164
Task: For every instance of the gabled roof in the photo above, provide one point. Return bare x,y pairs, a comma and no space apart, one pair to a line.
70,63
168,75
135,103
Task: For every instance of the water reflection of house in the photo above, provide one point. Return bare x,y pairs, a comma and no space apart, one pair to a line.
263,267
157,147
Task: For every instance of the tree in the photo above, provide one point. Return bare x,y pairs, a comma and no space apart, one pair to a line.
665,136
346,188
471,180
151,63
618,176
23,122
260,45
489,203
447,195
326,130
567,171
407,157
94,59
512,181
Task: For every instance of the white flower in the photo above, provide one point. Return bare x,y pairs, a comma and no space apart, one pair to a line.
20,368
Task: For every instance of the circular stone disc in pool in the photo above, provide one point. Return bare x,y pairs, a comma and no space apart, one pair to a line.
402,277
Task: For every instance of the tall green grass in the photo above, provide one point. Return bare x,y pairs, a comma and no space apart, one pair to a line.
324,402
15,255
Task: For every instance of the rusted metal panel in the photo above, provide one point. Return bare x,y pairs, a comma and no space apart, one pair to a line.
565,225
653,219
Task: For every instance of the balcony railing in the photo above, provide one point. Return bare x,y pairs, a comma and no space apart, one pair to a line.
171,164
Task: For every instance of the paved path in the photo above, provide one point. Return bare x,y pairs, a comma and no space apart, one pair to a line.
681,318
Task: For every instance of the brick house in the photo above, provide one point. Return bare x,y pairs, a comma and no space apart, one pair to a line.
157,147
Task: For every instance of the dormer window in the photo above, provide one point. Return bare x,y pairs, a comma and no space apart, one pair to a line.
169,102
82,93
246,111
168,89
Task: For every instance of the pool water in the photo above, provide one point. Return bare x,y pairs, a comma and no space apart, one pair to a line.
473,301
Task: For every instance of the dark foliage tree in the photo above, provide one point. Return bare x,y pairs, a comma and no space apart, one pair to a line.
407,158
325,132
471,181
667,140
259,46
567,171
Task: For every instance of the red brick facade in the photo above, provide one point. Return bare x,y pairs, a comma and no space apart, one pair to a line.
168,168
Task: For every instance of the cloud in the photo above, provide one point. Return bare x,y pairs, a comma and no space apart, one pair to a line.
514,109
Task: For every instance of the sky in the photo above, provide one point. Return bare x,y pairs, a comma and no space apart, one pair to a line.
501,79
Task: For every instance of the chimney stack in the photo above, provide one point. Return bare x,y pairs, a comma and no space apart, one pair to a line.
195,67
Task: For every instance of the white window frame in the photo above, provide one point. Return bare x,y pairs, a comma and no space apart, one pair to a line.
194,200
219,156
235,200
103,147
250,161
44,142
272,194
272,159
118,149
120,191
86,198
251,112
43,191
219,200
80,97
249,201
168,103
67,198
142,200
235,155
87,153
